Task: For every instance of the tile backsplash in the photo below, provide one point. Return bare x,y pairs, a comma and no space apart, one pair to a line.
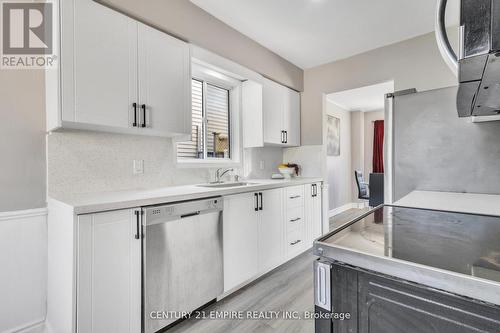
86,162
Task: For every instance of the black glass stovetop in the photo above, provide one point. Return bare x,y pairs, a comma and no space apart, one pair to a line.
458,242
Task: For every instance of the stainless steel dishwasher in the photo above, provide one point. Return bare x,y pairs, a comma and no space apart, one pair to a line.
182,260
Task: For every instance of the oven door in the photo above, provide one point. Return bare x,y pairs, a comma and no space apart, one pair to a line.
322,296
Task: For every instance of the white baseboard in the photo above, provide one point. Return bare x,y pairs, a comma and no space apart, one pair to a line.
346,207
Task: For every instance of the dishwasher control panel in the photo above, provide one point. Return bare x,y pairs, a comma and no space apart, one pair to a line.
156,214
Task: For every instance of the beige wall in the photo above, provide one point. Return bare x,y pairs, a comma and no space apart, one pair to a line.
414,63
339,167
22,142
370,117
183,19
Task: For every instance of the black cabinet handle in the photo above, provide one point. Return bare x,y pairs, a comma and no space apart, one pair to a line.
286,136
261,201
314,190
296,242
137,219
282,136
135,114
143,106
256,202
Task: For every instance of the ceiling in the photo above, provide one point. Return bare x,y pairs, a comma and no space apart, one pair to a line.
309,33
369,98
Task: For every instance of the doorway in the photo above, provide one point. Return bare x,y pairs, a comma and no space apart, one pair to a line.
353,141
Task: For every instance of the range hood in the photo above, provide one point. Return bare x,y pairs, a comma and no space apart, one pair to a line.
478,61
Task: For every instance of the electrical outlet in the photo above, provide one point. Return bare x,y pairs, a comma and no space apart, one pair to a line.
138,167
262,166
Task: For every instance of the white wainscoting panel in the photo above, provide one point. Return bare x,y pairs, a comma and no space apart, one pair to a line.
23,273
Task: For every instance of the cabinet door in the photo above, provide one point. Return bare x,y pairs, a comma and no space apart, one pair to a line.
109,273
240,239
164,83
313,212
272,102
251,101
291,117
99,65
271,230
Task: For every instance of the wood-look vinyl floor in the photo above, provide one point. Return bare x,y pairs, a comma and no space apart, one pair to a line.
287,288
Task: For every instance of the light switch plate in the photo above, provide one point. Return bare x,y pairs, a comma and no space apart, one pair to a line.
138,167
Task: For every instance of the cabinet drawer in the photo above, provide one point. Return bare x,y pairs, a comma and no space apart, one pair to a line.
295,219
295,242
294,196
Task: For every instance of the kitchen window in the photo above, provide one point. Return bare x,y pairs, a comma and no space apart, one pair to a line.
211,119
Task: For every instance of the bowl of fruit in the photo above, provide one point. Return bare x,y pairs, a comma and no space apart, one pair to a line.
289,170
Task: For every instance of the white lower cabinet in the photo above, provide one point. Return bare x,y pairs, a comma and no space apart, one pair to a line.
270,230
313,209
296,235
240,239
262,230
252,235
109,273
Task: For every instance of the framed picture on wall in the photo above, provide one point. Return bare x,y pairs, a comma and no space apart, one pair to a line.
332,136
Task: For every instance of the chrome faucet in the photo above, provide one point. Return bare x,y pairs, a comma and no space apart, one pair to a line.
220,173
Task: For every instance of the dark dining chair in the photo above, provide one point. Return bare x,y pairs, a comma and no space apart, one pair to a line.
376,189
373,191
363,190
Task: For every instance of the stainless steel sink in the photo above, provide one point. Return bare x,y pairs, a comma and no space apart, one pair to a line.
225,185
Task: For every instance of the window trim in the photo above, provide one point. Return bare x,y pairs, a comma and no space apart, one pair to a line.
235,140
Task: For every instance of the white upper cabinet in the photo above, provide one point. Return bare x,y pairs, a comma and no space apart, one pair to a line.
273,107
278,117
164,83
251,101
113,70
291,117
99,65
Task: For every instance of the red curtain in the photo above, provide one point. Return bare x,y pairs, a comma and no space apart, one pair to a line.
378,147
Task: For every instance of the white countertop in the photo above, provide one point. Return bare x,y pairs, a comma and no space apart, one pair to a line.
104,201
486,204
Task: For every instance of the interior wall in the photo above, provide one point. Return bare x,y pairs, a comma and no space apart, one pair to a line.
339,167
414,63
22,147
183,19
369,118
436,150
